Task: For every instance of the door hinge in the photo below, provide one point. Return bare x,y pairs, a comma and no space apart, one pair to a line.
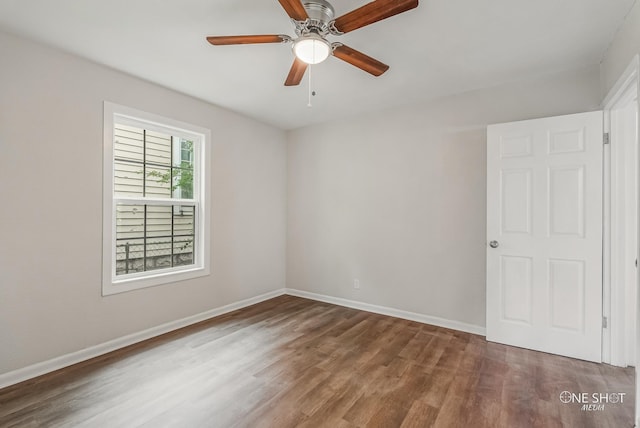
605,138
604,322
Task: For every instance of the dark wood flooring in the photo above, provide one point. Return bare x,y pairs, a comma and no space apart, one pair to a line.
292,362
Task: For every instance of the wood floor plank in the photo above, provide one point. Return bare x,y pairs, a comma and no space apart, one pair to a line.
293,362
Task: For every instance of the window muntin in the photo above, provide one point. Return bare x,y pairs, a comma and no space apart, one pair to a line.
153,201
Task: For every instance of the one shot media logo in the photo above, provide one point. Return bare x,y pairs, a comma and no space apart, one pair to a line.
592,401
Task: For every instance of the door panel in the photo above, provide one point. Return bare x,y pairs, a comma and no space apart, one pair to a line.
516,194
566,201
544,210
516,289
566,288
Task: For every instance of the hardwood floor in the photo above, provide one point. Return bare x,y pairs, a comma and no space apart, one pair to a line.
292,362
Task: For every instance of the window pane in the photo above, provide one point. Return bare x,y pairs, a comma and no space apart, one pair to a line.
151,237
183,250
183,183
183,220
129,256
128,179
158,182
183,240
159,221
157,148
158,253
185,150
129,221
130,224
183,169
129,143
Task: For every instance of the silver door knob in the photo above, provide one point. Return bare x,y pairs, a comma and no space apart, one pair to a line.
494,244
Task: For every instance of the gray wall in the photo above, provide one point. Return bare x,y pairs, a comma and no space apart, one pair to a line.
51,112
397,198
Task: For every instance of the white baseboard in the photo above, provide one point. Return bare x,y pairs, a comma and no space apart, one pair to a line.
383,310
38,369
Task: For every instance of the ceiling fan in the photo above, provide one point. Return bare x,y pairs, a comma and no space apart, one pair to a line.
314,21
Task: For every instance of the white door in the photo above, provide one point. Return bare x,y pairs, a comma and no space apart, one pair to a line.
544,234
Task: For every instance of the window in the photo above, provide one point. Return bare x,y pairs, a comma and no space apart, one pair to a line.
155,211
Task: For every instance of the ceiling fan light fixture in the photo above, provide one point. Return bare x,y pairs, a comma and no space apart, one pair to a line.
314,20
311,49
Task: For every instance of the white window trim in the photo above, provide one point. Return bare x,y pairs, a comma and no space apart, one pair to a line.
201,267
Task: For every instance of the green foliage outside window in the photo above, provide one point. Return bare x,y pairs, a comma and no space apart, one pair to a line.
182,175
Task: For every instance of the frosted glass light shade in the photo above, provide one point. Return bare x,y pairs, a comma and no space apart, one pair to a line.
311,49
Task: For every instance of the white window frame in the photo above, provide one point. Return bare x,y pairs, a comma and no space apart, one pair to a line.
112,284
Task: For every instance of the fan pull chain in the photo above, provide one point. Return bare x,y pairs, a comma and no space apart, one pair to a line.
309,103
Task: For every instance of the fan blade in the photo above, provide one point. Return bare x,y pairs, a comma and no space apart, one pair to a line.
372,12
294,9
244,40
295,74
360,60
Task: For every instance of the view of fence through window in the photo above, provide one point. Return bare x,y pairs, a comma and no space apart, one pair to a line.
153,191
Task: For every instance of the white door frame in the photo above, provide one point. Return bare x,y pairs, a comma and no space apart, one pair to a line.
616,308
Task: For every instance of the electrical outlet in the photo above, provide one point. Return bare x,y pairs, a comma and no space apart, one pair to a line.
356,284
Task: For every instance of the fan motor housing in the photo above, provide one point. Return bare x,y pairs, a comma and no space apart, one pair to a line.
320,12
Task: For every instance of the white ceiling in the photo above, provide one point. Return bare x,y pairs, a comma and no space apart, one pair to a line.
441,48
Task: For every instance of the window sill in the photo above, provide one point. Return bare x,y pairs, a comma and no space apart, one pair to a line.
117,286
